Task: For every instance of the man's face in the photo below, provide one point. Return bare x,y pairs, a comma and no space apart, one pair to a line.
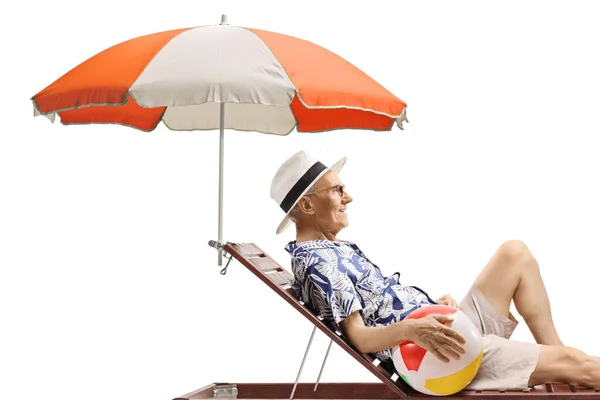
330,202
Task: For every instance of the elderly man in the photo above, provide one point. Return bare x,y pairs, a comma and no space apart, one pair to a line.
337,280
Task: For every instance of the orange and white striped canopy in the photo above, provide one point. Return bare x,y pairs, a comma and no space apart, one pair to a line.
269,82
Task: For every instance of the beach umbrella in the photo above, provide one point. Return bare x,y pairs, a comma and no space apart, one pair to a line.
221,77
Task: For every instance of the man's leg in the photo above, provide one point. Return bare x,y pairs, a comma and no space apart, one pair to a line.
511,364
566,364
513,274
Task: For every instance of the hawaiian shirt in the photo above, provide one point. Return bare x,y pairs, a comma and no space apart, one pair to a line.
335,278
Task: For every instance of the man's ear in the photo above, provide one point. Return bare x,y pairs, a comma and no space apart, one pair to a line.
306,206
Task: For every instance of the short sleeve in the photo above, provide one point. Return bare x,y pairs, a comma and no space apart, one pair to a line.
331,292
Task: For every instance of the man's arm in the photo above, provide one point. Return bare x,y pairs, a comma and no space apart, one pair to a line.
333,293
373,339
429,333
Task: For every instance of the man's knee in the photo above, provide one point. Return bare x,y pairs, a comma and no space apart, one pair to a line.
514,250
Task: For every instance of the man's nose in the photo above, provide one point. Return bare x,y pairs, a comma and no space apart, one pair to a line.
347,198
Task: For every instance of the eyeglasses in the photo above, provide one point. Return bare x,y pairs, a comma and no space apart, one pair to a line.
338,188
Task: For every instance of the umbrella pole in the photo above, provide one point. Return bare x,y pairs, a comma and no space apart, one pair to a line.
221,150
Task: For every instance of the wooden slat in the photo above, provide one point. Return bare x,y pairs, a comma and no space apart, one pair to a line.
265,264
280,278
250,250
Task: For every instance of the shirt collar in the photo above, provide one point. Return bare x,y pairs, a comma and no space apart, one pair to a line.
293,246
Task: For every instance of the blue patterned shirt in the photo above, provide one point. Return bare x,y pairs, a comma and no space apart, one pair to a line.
334,279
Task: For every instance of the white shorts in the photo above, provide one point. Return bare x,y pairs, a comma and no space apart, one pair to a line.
506,364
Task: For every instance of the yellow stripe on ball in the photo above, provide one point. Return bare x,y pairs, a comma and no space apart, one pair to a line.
455,382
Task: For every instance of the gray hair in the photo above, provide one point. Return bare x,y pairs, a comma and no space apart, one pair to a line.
295,211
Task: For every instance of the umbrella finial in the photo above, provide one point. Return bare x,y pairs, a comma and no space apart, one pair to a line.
224,19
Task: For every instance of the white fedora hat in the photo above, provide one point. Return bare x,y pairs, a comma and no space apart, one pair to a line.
294,179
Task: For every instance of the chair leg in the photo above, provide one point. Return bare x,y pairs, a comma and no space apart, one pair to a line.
312,335
323,365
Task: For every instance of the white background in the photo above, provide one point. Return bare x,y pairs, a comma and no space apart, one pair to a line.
108,288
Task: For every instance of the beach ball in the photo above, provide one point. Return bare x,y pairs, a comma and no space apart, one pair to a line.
424,372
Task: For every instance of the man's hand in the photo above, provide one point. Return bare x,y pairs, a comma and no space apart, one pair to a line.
447,300
431,334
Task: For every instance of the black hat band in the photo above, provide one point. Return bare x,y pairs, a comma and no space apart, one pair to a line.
304,181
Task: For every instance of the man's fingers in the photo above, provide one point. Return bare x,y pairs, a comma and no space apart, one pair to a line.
449,332
442,318
446,352
440,356
443,339
448,349
450,352
447,300
453,345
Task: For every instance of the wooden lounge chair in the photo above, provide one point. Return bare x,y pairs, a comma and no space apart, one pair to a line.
391,386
